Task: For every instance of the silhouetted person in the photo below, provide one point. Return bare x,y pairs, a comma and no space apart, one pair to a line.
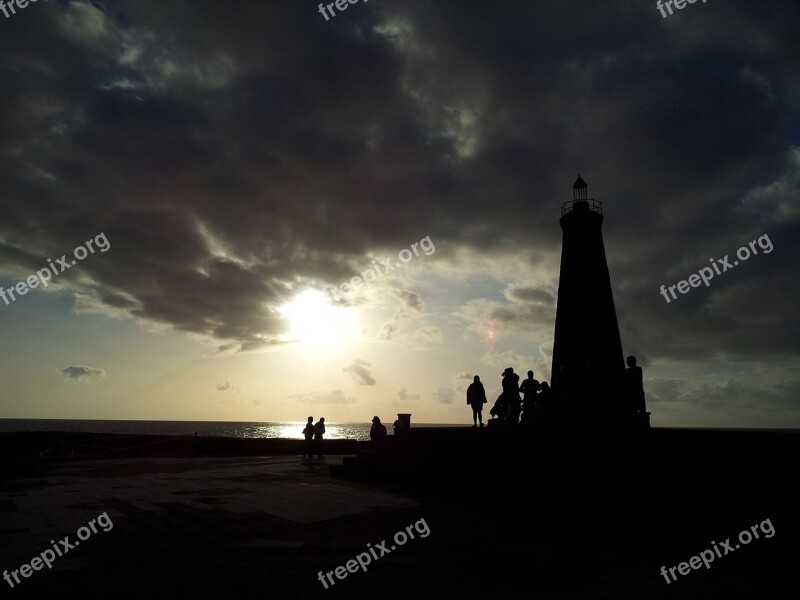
545,395
319,431
476,398
529,387
308,447
500,409
542,406
635,385
511,394
378,430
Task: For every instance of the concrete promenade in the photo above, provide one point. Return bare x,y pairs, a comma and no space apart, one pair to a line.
262,527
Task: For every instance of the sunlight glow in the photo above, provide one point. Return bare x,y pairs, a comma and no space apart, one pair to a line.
316,322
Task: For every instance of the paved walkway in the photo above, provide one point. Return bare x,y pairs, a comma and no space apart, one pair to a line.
173,515
263,527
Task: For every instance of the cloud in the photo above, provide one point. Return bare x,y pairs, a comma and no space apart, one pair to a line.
534,295
76,373
223,386
410,307
507,358
405,396
444,395
361,374
237,168
332,397
427,335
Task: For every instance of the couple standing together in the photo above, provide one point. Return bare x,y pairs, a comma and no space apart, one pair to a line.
314,432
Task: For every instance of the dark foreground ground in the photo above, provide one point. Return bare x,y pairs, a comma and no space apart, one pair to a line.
568,517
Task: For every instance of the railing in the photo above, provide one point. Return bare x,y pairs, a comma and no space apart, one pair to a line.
591,204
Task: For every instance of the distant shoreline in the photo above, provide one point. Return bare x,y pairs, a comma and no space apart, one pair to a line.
18,424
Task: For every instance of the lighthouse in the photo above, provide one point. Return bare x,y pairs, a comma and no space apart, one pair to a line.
587,351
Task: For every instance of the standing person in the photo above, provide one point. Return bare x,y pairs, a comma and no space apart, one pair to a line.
476,398
319,431
635,385
378,430
308,447
528,387
511,394
541,407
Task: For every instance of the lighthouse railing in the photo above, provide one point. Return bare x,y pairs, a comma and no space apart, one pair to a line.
591,204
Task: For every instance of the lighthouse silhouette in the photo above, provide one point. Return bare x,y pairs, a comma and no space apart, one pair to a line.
587,352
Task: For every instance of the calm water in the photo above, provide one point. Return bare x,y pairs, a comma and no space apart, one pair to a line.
285,429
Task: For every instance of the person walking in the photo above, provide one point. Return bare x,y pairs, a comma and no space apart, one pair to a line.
319,431
476,398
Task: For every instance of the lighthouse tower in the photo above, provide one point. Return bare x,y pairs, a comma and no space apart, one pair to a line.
586,346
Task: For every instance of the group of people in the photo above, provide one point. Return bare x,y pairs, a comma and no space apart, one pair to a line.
314,433
534,409
538,402
378,431
509,409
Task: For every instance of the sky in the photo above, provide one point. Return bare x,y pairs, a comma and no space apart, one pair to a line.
222,168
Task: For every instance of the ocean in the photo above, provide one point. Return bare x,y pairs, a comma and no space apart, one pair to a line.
284,429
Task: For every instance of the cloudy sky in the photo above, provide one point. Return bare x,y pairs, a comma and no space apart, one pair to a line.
240,158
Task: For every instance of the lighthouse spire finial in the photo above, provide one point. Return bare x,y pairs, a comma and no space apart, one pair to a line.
579,189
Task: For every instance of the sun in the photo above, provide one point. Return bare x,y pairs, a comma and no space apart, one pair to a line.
315,321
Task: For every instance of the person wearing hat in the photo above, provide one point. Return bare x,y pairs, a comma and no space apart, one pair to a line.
378,430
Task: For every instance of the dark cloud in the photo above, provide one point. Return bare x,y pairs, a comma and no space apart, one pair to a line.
234,156
76,373
532,294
